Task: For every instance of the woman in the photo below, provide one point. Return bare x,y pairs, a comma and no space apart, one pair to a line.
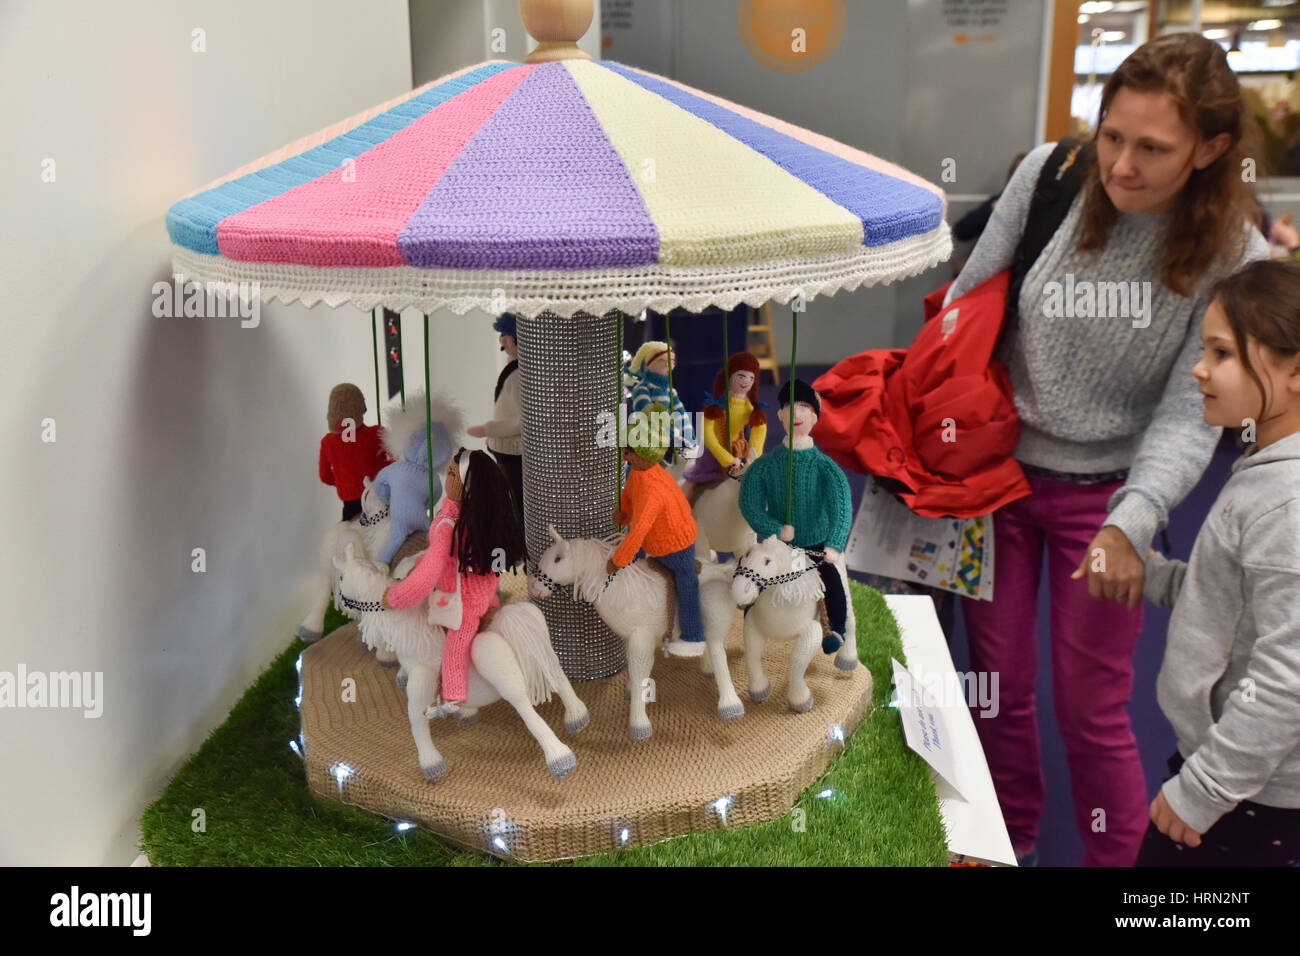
1112,436
737,385
474,536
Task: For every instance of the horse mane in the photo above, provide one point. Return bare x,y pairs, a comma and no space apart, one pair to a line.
402,423
589,556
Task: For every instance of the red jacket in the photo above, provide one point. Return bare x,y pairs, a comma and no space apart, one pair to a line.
344,464
939,417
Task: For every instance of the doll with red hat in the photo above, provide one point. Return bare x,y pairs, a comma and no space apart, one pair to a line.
735,391
352,451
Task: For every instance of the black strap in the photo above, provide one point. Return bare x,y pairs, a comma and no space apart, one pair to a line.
1058,183
501,379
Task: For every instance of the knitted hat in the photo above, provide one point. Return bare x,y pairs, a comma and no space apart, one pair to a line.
648,352
803,392
505,324
716,408
346,401
653,450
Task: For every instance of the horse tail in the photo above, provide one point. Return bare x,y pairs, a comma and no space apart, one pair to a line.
524,629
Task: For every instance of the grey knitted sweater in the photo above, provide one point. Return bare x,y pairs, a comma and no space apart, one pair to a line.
1096,391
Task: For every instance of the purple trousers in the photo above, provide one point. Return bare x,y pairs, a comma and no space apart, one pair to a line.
1092,644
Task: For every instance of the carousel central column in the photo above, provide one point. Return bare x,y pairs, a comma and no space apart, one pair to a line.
566,382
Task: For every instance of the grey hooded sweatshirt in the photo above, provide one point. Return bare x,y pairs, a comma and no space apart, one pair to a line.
1230,681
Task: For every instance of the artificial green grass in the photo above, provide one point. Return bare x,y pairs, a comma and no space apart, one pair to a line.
882,809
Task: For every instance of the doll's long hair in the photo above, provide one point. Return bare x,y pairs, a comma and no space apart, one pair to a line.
488,518
739,362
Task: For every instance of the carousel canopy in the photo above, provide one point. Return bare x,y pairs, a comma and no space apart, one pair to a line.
567,186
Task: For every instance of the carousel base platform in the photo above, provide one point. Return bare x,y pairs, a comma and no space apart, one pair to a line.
696,773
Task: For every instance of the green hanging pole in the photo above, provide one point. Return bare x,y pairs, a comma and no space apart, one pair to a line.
668,335
428,413
789,465
618,408
374,348
726,387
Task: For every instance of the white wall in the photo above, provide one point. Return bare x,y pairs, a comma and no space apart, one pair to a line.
171,434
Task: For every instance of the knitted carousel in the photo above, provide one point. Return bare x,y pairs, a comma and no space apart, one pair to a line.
568,193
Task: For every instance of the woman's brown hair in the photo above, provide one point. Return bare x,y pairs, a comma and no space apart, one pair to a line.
1262,302
1210,215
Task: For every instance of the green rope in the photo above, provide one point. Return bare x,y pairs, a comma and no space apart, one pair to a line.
428,412
789,465
726,386
668,334
374,348
401,380
618,409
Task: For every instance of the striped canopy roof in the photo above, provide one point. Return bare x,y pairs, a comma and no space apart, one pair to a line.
569,186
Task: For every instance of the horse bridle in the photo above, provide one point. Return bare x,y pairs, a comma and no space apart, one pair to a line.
542,576
749,574
367,520
367,607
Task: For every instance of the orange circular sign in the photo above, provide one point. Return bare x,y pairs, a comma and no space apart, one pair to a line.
791,35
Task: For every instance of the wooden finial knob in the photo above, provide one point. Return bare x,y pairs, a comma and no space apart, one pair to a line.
556,25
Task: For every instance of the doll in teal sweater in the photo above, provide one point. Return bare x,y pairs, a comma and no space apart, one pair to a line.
823,507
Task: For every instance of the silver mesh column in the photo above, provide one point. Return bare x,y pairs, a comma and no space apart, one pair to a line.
567,378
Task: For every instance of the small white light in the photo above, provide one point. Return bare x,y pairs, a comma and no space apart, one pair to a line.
1096,6
836,734
1263,24
827,793
624,835
297,701
721,805
1215,34
404,826
499,843
298,663
1112,36
341,772
293,745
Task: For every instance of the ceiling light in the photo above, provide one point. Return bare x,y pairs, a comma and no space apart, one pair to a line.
1263,25
1096,6
1112,36
1215,34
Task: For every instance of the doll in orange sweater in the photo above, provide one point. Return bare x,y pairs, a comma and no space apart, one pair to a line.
660,523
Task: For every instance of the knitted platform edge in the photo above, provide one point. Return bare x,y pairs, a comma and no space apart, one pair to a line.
566,293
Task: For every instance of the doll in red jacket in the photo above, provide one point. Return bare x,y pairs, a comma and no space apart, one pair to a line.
352,451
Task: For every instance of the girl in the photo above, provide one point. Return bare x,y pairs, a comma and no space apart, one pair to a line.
651,366
1229,680
474,527
1111,435
740,381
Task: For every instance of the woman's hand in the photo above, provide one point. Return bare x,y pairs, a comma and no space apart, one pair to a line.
620,519
476,431
1169,823
831,554
737,468
610,566
787,533
1121,572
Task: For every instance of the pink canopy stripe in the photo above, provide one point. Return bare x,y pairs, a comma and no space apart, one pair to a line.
352,216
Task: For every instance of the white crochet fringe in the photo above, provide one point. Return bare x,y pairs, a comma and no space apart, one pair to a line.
566,293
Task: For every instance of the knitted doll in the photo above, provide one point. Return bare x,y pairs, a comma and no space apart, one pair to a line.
660,523
651,365
471,531
352,451
404,485
504,433
739,383
823,507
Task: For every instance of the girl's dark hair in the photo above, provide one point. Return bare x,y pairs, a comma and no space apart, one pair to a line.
1210,214
1262,302
489,518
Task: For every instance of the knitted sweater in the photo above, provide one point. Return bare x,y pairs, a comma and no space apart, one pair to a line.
652,388
741,409
504,432
659,519
345,464
1097,394
1230,680
437,568
823,505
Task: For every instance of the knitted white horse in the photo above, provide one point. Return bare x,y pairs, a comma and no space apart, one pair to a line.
783,585
635,606
721,526
367,534
511,660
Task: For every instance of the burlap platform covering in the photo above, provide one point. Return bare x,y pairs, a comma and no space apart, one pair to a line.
497,795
